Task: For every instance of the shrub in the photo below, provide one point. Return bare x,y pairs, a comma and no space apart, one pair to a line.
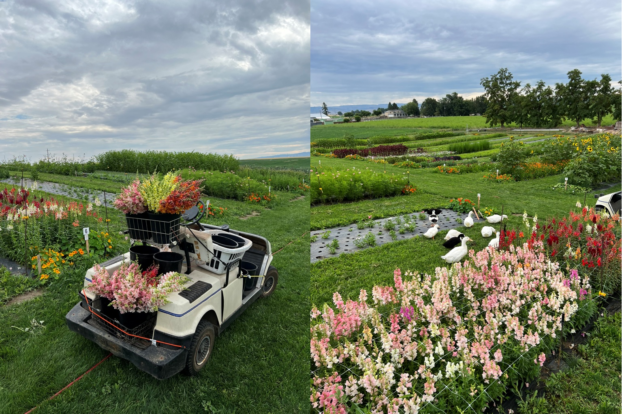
511,155
4,173
461,205
357,118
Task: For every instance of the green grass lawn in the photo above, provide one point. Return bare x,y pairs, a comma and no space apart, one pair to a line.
592,384
280,163
260,363
416,125
84,182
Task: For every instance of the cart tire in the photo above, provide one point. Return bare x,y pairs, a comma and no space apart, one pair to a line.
200,348
269,285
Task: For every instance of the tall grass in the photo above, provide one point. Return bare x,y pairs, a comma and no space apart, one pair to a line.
131,161
466,147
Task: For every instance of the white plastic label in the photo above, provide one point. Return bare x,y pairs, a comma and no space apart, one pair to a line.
153,342
85,231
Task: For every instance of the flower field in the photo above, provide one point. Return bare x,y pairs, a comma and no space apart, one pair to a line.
455,340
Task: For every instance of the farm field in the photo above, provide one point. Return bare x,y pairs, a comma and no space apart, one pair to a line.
338,282
415,125
258,364
301,163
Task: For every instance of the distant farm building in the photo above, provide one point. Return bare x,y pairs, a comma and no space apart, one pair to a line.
395,113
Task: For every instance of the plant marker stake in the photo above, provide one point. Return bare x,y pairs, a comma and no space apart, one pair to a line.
561,337
566,187
85,231
478,197
106,210
25,240
497,173
39,264
475,213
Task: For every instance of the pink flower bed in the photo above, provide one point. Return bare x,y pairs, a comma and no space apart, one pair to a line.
451,340
134,291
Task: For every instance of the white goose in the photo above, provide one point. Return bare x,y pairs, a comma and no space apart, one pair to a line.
431,232
494,243
487,231
457,253
451,234
468,222
495,218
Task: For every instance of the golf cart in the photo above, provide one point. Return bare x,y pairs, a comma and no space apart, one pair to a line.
610,203
228,271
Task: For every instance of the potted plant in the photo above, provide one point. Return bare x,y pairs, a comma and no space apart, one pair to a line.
131,202
166,199
136,294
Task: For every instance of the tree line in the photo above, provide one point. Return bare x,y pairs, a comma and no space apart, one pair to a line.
450,105
545,106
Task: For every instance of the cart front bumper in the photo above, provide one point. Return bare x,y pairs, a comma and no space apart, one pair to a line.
161,363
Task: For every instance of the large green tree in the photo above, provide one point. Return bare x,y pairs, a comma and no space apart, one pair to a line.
520,106
411,108
324,109
602,101
575,97
429,107
617,102
500,89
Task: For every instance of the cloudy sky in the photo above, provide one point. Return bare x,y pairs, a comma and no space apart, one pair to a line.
85,76
371,52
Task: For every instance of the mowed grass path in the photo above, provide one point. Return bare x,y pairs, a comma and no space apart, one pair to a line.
417,125
435,190
260,364
301,163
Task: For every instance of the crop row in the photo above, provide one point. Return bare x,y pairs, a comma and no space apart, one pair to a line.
332,185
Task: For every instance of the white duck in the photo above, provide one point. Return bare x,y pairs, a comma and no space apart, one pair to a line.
495,218
457,253
451,234
468,222
487,231
494,243
431,232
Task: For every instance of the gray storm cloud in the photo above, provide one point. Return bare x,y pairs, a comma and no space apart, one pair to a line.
376,52
81,77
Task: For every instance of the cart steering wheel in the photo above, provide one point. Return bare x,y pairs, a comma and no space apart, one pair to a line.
194,214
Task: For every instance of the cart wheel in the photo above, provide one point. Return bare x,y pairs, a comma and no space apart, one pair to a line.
269,285
201,348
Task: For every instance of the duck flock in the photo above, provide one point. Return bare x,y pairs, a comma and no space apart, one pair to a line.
456,241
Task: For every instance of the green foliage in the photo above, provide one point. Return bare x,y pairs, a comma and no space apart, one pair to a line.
574,97
12,285
331,185
500,89
146,162
226,184
466,147
511,155
432,135
34,173
4,173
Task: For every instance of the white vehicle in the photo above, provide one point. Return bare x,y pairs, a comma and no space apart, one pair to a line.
610,203
225,281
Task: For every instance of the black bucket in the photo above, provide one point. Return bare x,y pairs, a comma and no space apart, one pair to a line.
138,226
144,254
168,262
240,241
108,310
224,242
249,269
132,319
